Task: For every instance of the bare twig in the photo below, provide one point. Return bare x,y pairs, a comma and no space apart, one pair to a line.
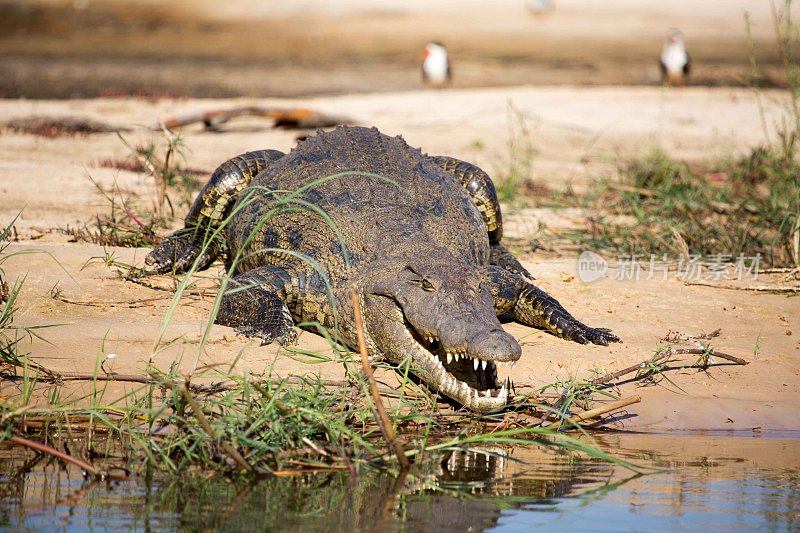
144,302
607,378
712,353
755,288
202,293
664,356
380,411
596,412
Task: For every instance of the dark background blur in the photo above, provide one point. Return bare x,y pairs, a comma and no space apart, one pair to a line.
84,48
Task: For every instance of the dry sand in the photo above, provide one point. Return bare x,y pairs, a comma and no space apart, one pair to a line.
579,133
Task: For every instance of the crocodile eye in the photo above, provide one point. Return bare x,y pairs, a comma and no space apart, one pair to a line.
427,286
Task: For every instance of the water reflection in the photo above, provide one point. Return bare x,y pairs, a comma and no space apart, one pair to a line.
710,481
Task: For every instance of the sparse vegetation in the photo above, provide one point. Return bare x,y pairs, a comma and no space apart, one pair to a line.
661,206
130,221
168,172
747,205
12,334
515,170
120,226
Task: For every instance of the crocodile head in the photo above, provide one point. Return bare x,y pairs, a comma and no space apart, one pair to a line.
440,313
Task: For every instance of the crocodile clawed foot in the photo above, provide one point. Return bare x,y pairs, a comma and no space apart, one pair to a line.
289,338
285,338
178,253
601,336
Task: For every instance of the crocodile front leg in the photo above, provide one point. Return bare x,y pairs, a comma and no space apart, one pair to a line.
500,256
533,307
255,304
267,301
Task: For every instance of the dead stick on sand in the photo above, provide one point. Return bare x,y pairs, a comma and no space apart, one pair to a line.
380,412
298,117
597,411
663,357
144,302
755,288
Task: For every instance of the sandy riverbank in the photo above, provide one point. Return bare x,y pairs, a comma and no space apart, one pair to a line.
579,134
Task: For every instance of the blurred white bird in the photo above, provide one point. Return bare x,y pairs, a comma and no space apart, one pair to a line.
435,65
539,7
675,62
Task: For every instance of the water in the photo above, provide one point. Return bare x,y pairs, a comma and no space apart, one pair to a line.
708,482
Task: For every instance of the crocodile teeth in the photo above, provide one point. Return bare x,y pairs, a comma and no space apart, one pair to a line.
513,364
449,358
487,393
475,364
483,364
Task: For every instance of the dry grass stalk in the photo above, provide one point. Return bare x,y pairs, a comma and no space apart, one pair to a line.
379,410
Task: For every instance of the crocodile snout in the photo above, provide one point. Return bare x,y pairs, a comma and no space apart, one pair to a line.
495,345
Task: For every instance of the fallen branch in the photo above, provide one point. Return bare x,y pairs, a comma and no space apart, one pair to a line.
144,302
664,356
596,412
380,412
282,117
756,288
712,353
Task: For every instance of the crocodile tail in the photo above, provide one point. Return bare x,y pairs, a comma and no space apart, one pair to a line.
480,188
218,196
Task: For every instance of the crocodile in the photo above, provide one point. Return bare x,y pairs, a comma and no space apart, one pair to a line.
416,237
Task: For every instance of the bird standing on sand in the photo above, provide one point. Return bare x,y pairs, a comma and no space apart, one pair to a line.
435,65
675,62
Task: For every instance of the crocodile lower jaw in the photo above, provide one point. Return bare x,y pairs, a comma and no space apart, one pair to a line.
438,374
484,401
